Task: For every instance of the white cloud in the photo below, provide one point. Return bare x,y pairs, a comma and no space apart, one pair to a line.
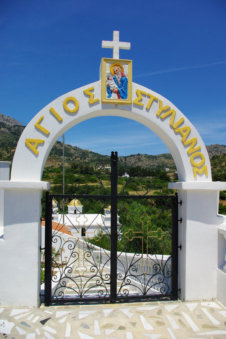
183,68
212,131
121,141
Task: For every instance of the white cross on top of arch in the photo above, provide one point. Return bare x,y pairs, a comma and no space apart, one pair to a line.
116,44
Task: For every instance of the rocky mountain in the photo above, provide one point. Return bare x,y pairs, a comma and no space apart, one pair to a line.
75,154
144,160
9,121
10,130
165,160
216,150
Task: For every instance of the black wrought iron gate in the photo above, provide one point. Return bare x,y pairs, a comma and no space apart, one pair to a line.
127,249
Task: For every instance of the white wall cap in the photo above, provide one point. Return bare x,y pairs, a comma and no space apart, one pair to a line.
222,229
4,170
5,163
198,186
24,185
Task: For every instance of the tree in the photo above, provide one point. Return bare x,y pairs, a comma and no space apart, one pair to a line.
145,228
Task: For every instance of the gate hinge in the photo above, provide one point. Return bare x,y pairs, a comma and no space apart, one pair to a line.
180,247
180,202
180,220
42,248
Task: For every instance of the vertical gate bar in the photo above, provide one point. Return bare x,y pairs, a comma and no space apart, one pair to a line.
48,250
174,268
114,177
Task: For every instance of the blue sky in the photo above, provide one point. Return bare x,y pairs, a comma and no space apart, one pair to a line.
50,47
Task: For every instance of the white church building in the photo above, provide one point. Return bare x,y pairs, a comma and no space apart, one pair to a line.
82,224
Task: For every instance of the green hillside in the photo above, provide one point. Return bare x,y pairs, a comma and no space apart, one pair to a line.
136,165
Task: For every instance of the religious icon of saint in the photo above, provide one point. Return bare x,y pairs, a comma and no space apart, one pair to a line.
111,88
117,82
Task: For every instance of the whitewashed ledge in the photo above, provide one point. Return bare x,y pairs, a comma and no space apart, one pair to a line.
221,269
24,185
222,229
198,185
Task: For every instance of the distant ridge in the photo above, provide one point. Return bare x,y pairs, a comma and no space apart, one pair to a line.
216,149
9,121
11,129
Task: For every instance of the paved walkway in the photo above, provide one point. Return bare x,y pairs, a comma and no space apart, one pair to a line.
153,320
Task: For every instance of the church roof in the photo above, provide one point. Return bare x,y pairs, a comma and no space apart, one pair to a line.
75,202
59,227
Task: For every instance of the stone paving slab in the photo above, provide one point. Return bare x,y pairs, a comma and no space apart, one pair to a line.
163,320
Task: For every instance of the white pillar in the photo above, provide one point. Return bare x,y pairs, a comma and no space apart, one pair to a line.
20,246
4,170
198,236
4,175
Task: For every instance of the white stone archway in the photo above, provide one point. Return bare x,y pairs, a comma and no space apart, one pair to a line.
20,196
149,108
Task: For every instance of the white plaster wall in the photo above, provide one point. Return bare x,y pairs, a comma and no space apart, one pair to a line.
221,286
4,170
20,249
221,270
71,209
222,247
199,239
